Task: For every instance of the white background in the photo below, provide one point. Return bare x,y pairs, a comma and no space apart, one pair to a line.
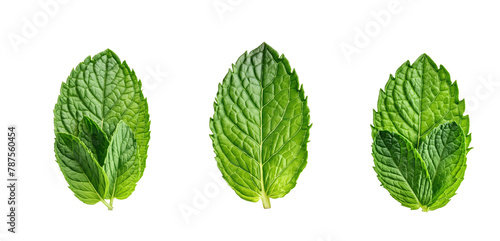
183,49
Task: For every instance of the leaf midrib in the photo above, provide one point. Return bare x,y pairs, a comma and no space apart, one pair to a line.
261,108
420,112
104,89
261,142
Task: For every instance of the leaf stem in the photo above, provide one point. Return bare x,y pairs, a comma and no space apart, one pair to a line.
425,209
109,205
265,200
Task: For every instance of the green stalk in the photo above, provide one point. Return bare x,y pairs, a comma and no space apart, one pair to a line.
265,200
109,205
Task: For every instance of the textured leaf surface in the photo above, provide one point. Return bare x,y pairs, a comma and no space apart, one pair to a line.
261,126
420,106
401,170
106,90
85,176
417,99
444,154
94,139
122,164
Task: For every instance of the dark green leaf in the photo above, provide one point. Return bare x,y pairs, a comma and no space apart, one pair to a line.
85,176
401,170
94,138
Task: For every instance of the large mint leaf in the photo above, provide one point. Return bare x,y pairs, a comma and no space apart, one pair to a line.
444,152
107,91
86,178
94,138
261,126
417,99
122,164
401,170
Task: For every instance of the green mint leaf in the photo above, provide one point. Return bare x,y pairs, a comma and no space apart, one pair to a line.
401,170
261,126
444,152
107,91
417,99
420,105
94,138
122,165
86,178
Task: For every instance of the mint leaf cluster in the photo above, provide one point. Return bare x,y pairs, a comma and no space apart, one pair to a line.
420,136
101,123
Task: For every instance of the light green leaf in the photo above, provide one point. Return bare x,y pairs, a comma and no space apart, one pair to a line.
419,98
420,105
94,138
261,126
122,164
107,91
444,152
85,176
401,170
